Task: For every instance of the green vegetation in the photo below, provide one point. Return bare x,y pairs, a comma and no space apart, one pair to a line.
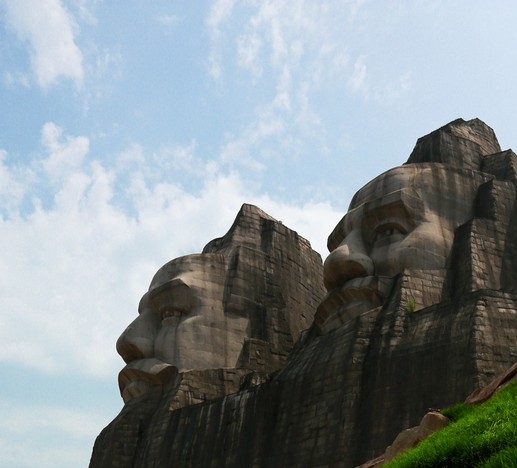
410,305
481,436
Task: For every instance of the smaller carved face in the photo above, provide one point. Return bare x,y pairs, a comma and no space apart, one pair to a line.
403,219
181,323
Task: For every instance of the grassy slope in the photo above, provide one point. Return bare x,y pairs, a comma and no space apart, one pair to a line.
483,436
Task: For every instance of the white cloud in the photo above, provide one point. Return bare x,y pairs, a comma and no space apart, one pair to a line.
50,31
285,48
32,418
12,189
357,82
169,21
220,12
23,429
245,149
15,78
248,52
179,158
401,86
355,8
64,156
85,10
78,262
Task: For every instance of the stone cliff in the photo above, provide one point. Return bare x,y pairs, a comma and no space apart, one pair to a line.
420,310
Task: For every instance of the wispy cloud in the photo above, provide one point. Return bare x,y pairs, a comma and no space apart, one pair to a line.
72,423
65,155
290,53
284,49
357,82
15,78
169,21
220,12
22,427
248,52
50,31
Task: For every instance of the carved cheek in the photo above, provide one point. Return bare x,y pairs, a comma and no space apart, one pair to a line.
170,341
389,259
165,341
421,250
178,337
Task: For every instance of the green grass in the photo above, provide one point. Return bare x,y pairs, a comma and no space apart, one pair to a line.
479,436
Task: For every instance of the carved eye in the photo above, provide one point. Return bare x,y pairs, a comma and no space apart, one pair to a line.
169,312
171,300
388,231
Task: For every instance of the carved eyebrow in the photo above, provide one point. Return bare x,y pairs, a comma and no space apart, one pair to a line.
167,286
176,288
174,293
394,213
369,210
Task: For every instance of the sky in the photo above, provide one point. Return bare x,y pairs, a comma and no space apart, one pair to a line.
132,131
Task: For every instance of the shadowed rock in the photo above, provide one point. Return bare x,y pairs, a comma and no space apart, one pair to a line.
459,143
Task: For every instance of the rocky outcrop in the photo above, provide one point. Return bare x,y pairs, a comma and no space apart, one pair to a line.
459,143
432,421
482,394
376,358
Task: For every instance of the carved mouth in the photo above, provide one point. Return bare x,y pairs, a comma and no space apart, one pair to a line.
351,299
138,377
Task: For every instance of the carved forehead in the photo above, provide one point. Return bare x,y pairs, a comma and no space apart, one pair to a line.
390,181
417,189
197,268
431,180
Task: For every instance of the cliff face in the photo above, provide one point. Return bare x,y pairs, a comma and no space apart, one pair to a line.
357,377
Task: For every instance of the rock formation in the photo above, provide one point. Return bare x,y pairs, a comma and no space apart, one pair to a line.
211,324
421,309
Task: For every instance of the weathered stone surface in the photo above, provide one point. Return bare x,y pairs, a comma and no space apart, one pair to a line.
482,394
435,420
409,438
242,303
212,324
460,143
421,309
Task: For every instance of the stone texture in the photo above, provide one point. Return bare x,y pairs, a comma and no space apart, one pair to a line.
482,394
421,309
435,420
241,303
210,325
409,438
460,143
432,421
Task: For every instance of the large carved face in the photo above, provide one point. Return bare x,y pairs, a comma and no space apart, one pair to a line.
181,325
402,220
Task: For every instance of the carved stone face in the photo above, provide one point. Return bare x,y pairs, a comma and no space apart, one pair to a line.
181,325
402,220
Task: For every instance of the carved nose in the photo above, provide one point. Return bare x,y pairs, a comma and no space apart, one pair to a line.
135,342
344,264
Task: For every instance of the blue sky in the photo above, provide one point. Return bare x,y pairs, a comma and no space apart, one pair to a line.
132,131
